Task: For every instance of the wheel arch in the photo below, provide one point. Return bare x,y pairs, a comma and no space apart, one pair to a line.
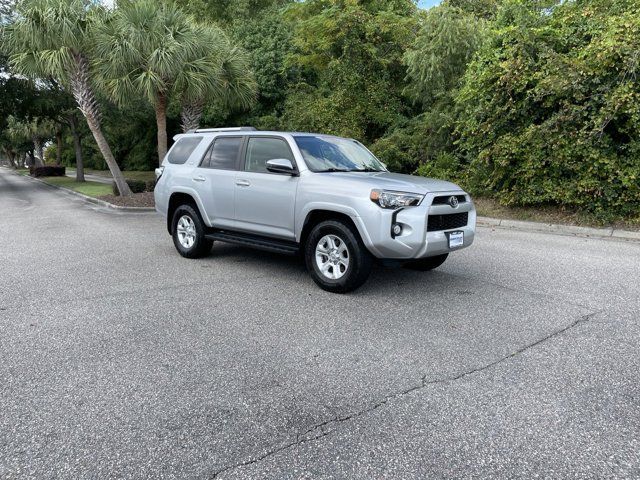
318,215
182,198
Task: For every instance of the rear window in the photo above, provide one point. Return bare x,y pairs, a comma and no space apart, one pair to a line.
223,154
183,149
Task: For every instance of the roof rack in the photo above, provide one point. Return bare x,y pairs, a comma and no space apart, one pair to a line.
224,129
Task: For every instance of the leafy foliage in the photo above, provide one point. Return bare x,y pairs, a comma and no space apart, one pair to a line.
550,108
531,102
438,58
350,54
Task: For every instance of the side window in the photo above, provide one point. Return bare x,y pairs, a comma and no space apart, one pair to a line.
223,154
183,149
260,150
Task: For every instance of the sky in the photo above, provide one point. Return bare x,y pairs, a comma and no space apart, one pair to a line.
428,3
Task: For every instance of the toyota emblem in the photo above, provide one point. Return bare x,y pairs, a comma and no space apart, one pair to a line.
453,201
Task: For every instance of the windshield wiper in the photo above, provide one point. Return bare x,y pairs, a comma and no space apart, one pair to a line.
331,170
367,169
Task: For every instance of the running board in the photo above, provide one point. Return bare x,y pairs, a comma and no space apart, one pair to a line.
254,241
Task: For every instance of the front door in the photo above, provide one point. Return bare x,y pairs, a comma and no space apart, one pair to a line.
265,201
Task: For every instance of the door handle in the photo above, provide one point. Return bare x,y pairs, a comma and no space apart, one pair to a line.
199,178
243,183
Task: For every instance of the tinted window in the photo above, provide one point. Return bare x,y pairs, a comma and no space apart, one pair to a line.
183,149
223,154
259,150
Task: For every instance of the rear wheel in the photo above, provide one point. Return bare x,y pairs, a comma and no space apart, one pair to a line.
189,233
426,264
336,258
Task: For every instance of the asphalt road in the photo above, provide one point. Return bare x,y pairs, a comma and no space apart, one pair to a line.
519,357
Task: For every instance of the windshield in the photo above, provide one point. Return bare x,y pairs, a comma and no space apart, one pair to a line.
332,154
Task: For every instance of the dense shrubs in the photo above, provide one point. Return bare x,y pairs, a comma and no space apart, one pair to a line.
546,111
136,186
47,171
549,112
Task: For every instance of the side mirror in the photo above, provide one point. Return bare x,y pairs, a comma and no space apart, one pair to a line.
281,165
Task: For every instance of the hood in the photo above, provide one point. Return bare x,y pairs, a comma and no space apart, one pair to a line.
396,181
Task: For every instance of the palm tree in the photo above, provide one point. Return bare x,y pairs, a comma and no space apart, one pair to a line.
36,130
155,50
15,139
53,38
222,75
141,51
40,131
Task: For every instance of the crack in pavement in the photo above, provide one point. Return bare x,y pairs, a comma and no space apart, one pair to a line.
318,431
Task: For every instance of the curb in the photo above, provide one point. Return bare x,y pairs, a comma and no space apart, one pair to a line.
519,225
558,229
95,201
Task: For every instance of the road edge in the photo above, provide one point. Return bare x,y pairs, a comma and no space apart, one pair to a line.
503,223
87,198
558,229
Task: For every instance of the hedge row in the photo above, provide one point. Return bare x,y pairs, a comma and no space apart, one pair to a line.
136,186
47,171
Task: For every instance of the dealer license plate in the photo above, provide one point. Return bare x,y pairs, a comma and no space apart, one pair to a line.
456,239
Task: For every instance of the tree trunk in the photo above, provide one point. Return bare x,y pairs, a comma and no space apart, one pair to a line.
58,147
77,146
88,105
103,145
11,156
39,152
191,115
161,122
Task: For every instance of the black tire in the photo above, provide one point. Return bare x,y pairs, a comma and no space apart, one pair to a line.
201,245
360,260
426,264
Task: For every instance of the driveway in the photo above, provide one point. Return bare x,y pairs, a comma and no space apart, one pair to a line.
519,357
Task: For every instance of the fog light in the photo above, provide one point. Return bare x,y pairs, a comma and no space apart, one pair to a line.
396,229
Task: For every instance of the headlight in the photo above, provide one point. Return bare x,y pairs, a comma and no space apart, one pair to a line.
394,200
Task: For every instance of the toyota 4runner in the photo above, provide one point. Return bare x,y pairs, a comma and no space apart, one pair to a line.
326,197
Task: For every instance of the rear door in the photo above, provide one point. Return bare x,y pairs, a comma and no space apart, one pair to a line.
265,201
215,177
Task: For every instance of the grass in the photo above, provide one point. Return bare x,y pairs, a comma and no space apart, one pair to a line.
147,175
92,189
487,207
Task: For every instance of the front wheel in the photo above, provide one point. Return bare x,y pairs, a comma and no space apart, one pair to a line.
336,258
189,233
426,264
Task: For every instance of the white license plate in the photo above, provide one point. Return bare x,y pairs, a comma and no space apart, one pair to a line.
456,239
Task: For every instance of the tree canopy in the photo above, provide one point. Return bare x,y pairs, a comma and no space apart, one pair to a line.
531,102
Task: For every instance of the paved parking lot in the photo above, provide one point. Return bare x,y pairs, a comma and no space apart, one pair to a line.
120,359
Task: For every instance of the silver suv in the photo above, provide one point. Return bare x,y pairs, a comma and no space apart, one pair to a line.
325,197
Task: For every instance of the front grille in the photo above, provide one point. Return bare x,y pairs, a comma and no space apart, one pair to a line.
437,223
444,199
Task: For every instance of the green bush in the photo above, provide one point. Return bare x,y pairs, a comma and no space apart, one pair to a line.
549,110
47,171
136,186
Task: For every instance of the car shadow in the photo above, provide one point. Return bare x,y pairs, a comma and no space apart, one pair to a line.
385,281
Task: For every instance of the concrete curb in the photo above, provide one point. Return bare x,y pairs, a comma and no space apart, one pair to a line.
520,225
95,201
607,232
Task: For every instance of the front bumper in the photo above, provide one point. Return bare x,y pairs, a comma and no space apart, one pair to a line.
415,241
